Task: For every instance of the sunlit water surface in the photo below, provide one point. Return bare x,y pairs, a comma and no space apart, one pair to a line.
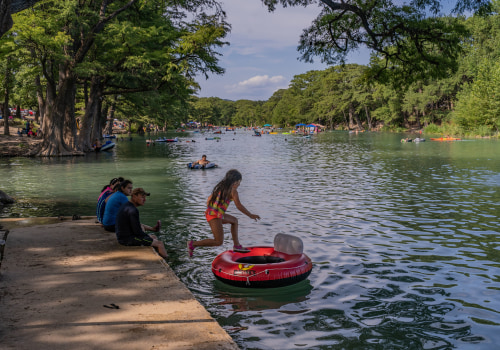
404,237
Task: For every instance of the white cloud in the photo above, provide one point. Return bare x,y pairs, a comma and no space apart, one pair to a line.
257,87
262,56
261,81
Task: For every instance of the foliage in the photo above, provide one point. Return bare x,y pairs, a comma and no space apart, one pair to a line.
432,129
413,37
427,70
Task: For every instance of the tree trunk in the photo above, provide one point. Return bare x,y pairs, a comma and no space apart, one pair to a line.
41,101
101,122
346,121
368,118
140,129
87,133
351,112
6,111
59,126
111,117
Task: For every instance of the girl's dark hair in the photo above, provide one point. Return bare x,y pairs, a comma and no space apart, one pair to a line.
223,188
114,181
123,184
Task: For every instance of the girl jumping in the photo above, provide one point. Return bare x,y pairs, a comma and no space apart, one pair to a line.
223,193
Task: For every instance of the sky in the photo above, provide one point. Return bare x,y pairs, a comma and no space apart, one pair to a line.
262,56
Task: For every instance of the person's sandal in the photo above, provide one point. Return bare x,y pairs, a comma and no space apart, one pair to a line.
240,249
190,247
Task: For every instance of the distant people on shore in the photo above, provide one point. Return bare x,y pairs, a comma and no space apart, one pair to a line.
130,231
113,204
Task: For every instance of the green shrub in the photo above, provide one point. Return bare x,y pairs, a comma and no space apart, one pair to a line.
432,129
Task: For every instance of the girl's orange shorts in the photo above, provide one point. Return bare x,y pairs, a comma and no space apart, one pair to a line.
211,217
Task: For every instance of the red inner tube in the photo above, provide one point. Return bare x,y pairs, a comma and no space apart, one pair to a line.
262,267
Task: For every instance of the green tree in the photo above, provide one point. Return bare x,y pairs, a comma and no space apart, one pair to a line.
248,113
145,60
406,35
478,103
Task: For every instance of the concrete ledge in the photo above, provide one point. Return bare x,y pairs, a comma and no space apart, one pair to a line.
70,285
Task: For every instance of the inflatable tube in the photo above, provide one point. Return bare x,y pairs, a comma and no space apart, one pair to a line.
199,166
262,267
164,139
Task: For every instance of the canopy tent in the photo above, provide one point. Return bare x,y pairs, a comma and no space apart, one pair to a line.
300,124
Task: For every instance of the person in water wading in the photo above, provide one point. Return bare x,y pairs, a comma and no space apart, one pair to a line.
203,162
223,193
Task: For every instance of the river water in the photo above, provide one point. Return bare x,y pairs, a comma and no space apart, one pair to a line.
404,237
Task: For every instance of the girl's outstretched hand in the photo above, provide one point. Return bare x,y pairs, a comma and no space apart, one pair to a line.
254,216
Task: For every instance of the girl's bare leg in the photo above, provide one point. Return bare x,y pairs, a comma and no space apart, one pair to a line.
229,219
218,232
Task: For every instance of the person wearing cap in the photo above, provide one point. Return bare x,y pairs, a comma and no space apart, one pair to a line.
129,230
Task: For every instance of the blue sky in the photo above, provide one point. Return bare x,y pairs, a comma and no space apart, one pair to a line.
262,56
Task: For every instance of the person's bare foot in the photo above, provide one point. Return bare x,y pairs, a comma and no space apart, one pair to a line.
157,228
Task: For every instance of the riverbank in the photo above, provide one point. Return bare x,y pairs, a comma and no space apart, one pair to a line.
69,285
14,145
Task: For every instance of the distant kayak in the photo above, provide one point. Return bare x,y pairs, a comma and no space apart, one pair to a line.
445,139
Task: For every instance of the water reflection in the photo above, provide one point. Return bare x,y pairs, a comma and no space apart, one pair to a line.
404,237
283,299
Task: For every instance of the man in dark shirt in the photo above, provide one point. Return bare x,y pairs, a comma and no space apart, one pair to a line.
129,230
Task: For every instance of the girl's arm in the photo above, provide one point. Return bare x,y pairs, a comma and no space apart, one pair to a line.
241,207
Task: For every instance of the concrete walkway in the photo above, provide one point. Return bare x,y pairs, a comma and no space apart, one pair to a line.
70,285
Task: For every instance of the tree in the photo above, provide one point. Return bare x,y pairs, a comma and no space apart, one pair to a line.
143,59
7,81
9,7
406,35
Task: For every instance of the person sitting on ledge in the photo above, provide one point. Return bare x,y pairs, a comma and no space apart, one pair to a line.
113,204
129,231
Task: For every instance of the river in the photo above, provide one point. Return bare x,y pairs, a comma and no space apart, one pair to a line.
404,237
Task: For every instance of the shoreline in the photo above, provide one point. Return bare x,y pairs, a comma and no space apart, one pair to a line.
68,284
